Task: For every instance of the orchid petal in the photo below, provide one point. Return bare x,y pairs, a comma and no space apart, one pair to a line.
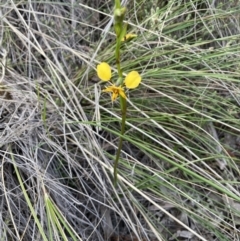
132,80
104,71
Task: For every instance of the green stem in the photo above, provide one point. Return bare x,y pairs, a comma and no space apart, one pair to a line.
120,30
123,109
124,114
117,4
117,56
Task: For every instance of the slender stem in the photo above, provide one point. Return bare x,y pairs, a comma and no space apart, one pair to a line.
120,30
117,4
117,56
124,114
123,109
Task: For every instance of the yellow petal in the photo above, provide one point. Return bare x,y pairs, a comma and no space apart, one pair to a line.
132,80
128,37
114,95
108,89
104,71
116,91
122,93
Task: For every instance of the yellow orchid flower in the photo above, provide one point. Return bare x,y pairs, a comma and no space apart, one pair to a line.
104,71
131,81
128,37
116,91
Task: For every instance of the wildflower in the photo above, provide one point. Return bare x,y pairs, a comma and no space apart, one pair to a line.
104,71
128,37
116,91
131,81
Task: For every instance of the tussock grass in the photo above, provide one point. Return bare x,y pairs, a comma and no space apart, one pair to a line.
179,168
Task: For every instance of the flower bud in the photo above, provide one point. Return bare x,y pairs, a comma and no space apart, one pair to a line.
119,15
